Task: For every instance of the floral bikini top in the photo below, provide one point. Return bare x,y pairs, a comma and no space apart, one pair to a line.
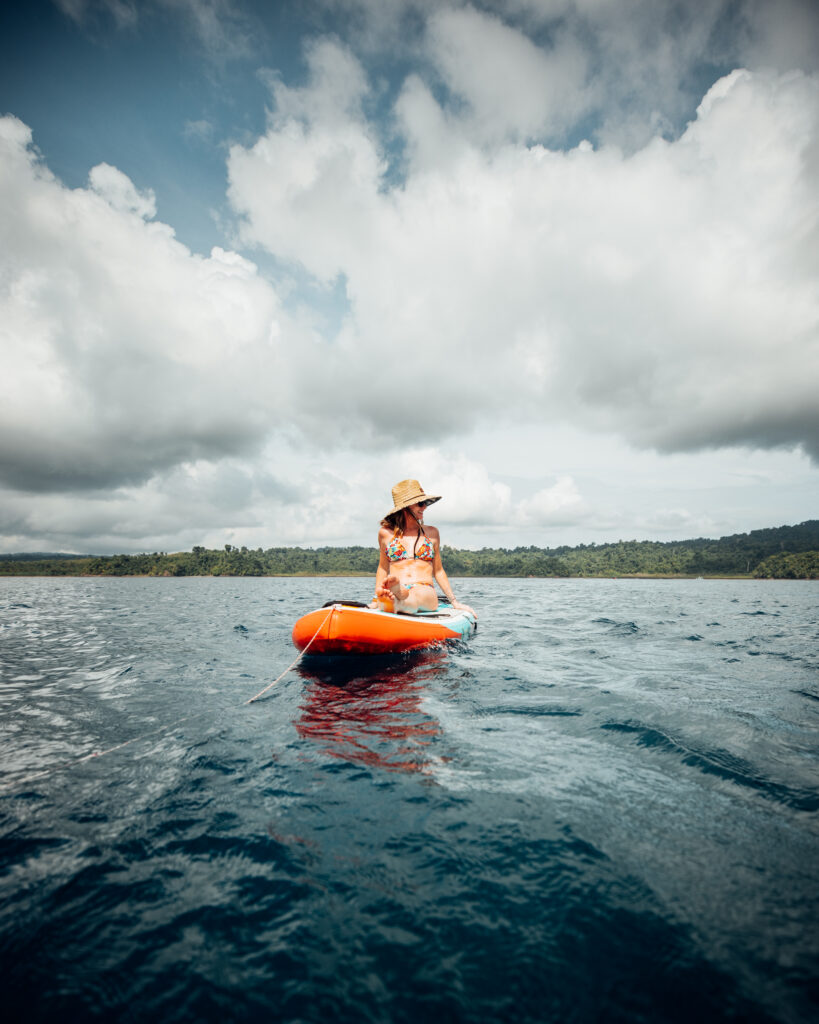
396,552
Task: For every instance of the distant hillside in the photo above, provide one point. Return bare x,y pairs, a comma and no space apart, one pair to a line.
738,554
38,556
778,552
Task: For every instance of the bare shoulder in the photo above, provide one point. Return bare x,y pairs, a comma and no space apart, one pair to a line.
433,533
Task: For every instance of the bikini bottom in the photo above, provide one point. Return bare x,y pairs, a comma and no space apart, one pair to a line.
409,586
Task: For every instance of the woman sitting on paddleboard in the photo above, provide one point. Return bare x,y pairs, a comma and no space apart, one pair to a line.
410,555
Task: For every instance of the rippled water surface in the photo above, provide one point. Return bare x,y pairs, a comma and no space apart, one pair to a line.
603,808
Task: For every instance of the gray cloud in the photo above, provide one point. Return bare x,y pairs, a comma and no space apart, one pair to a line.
626,71
122,14
102,459
222,29
172,510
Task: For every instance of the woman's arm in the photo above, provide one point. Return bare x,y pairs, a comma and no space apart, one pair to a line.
441,577
383,570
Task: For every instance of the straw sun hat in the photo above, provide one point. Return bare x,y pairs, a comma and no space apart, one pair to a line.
407,493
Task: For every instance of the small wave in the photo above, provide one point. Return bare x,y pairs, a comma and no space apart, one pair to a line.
622,628
721,763
530,709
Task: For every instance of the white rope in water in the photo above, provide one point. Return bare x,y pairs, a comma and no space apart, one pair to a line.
16,783
298,659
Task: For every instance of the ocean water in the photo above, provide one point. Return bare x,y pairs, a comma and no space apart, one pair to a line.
604,807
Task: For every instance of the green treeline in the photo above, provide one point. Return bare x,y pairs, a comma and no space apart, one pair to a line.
787,552
801,566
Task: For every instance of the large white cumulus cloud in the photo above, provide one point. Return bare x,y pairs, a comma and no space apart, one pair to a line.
122,353
667,295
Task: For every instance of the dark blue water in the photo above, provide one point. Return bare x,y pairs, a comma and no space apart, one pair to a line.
603,808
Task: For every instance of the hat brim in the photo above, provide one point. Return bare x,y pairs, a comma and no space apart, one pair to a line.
427,499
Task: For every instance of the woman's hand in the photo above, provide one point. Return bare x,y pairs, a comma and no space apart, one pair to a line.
464,608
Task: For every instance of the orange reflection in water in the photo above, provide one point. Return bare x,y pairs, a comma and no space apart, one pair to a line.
368,711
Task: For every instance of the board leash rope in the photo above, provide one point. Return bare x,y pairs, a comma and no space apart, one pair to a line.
15,784
294,663
162,728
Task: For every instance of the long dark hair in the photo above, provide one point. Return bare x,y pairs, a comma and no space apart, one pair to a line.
394,521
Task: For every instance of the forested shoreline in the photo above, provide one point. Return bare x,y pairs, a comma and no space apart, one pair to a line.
785,552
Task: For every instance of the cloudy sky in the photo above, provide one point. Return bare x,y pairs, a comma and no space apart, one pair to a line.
557,259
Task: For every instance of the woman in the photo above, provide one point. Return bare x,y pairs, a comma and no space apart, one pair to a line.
410,555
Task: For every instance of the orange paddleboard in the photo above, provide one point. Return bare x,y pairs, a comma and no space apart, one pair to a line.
346,629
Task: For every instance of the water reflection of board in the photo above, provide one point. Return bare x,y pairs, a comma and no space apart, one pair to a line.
342,628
